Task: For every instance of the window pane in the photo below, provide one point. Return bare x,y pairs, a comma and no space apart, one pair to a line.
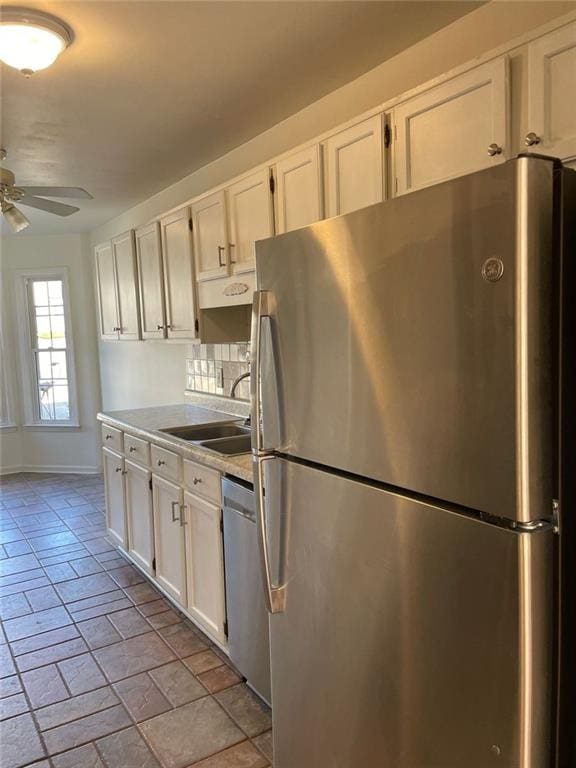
43,333
61,404
55,291
40,292
49,349
58,331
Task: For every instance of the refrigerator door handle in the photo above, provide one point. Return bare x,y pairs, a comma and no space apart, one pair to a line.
259,310
275,595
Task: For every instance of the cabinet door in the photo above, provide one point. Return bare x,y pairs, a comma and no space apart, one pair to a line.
205,563
139,515
552,93
355,167
106,286
251,212
210,236
455,128
151,282
115,498
179,282
169,545
299,190
124,254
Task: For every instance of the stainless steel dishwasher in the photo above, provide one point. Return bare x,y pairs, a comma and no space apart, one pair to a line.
248,633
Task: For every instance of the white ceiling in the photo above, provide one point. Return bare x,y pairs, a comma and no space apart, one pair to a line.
151,91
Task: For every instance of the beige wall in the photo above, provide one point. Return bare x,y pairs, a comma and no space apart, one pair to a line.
145,373
62,449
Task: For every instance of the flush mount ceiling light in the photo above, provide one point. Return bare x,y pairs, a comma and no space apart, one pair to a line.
31,40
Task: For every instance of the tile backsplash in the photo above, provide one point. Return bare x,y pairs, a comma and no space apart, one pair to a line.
213,368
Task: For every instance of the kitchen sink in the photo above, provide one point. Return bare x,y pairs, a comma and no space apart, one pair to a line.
228,439
207,432
230,446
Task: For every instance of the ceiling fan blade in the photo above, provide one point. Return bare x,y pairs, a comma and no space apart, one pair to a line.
75,192
48,205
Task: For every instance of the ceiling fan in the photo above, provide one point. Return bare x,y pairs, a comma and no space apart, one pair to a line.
34,198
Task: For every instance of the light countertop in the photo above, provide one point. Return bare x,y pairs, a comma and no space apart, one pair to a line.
147,423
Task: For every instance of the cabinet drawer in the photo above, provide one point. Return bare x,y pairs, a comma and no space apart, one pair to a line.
165,463
202,481
112,438
137,449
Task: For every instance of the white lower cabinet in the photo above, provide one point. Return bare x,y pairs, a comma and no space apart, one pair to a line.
166,515
139,515
169,539
204,556
115,497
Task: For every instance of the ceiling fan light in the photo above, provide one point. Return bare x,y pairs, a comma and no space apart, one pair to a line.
14,217
30,40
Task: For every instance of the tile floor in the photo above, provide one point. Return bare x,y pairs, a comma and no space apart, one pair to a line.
97,670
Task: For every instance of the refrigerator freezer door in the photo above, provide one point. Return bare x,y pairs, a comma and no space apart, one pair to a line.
413,341
411,637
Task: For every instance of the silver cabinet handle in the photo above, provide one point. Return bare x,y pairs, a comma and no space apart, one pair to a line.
197,480
160,462
175,504
117,328
532,139
275,596
182,515
124,471
221,250
118,469
232,245
108,437
131,449
159,327
494,149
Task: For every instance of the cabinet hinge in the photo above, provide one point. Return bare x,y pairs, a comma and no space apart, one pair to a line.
222,525
226,628
387,136
272,183
196,326
154,564
190,226
150,483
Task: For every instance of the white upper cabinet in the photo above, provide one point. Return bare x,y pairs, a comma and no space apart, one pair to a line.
124,254
179,282
251,218
552,94
210,236
355,167
151,282
455,128
299,194
106,285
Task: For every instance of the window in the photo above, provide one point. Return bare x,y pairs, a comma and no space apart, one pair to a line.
51,394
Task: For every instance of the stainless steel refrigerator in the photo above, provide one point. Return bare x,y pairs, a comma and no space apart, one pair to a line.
412,370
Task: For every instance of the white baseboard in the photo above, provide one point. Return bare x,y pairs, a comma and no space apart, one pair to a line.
52,469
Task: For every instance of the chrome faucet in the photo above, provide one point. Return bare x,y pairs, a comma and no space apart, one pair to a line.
236,382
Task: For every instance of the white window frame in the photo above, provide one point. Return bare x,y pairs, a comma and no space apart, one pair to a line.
6,401
31,406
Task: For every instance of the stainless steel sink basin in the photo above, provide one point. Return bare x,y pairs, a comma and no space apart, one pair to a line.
230,446
207,431
229,439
